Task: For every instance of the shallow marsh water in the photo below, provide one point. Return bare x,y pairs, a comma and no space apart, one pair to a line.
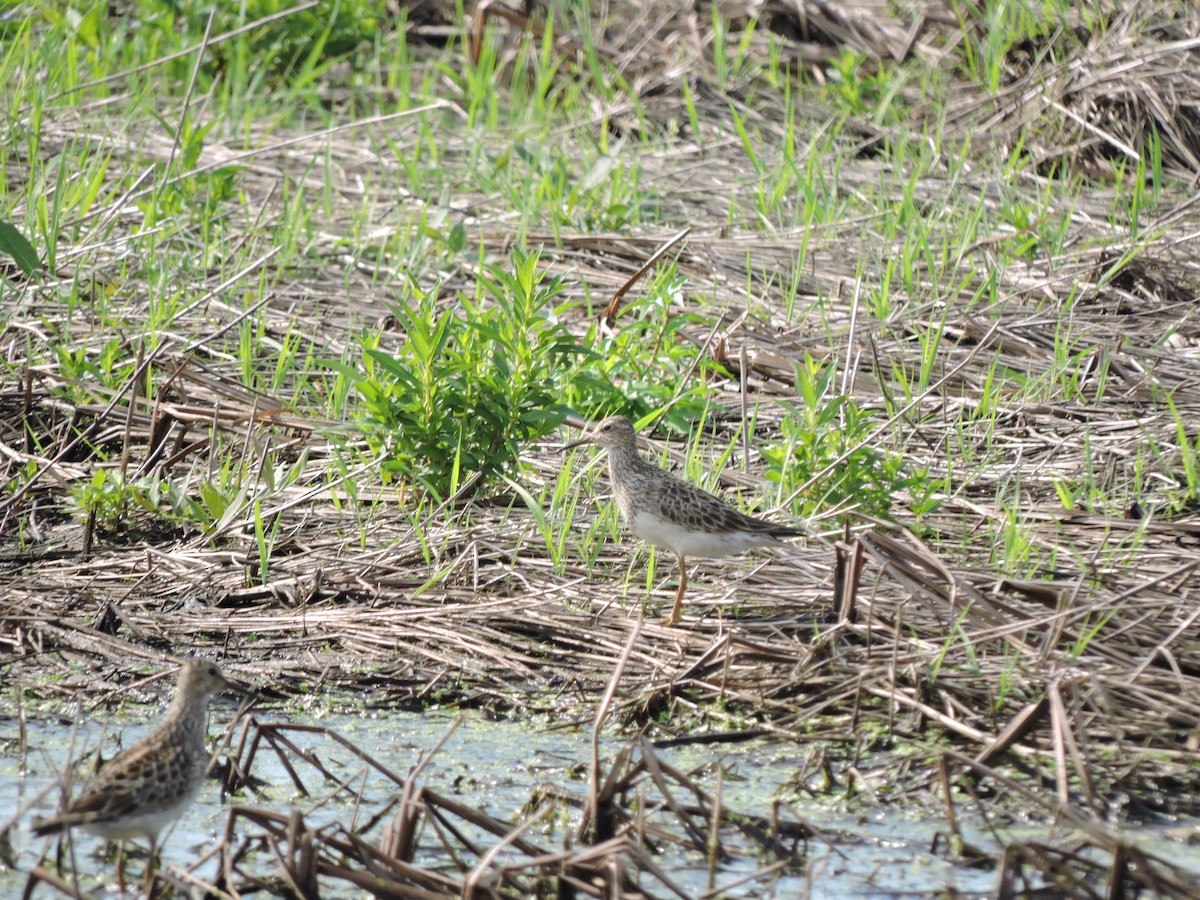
497,767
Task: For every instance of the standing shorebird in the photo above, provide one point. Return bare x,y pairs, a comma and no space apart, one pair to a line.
671,513
145,788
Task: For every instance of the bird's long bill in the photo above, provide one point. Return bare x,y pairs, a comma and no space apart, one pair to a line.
586,439
236,687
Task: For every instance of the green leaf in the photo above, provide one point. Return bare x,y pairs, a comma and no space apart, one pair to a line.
458,238
387,362
16,245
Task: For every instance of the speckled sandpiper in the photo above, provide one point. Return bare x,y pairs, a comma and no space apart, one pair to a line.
668,512
146,787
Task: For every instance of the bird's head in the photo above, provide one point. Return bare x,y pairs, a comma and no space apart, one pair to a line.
615,432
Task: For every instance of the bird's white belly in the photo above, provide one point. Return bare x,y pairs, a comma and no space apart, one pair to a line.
685,542
142,825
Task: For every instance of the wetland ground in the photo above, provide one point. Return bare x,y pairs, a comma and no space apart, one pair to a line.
298,304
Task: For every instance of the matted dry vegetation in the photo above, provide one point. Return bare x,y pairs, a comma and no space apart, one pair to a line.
902,658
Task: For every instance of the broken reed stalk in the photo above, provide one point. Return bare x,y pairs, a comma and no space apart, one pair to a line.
400,835
592,813
471,883
713,849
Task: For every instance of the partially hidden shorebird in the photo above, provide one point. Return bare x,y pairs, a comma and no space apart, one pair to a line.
146,787
669,512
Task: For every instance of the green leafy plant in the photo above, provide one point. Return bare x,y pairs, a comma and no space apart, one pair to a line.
105,499
826,428
646,364
109,501
81,367
467,389
859,86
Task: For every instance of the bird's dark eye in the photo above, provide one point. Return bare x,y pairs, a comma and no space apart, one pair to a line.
606,427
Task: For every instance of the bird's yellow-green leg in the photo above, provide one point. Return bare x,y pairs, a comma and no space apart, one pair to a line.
121,866
678,607
148,879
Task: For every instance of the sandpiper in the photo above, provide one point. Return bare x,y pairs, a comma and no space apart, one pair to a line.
671,513
145,788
